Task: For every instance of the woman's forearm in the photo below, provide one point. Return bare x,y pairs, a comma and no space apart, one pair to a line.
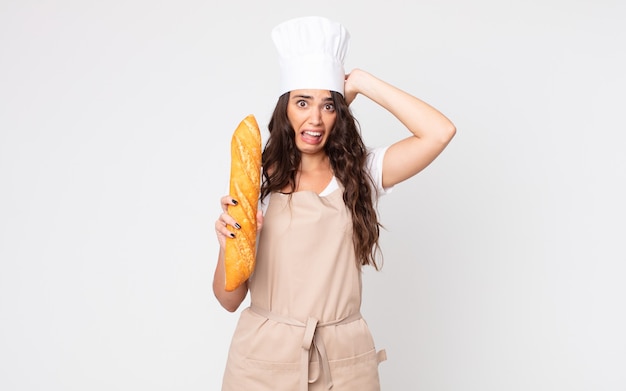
229,300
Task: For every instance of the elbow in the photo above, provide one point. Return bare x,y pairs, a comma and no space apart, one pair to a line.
450,131
447,133
230,307
230,301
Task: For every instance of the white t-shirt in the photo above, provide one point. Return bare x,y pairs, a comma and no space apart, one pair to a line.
374,165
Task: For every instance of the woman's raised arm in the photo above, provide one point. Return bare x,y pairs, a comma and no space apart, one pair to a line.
431,130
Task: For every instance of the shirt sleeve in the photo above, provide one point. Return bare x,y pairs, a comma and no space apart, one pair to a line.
375,166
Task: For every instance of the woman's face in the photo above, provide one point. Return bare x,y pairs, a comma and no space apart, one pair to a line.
312,115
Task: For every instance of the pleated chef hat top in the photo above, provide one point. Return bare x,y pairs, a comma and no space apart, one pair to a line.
311,53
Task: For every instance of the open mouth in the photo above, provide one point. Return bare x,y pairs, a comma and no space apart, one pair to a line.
311,137
312,134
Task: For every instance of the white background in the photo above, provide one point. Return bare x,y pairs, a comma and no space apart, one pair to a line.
505,259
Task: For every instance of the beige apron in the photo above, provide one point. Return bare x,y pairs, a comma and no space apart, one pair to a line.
303,330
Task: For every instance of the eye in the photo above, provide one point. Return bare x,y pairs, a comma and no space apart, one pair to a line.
301,103
329,107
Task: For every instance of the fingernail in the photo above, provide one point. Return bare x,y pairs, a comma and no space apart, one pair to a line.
237,226
232,235
235,202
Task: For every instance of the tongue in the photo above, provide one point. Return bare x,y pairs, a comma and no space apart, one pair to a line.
310,138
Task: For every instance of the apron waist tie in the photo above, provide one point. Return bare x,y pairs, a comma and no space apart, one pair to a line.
311,340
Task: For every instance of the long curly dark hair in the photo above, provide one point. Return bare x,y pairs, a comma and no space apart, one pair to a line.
347,154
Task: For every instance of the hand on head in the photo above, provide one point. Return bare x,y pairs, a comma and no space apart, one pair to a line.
350,89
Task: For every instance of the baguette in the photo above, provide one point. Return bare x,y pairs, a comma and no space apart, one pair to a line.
245,186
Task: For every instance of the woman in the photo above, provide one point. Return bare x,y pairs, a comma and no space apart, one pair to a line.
303,329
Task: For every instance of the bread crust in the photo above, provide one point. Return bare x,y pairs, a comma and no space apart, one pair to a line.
245,186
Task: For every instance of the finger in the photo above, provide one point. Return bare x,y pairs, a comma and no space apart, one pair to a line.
226,201
228,220
222,231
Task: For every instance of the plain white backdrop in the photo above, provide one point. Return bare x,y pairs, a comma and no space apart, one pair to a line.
505,259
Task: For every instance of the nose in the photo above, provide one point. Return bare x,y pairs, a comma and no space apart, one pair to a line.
316,117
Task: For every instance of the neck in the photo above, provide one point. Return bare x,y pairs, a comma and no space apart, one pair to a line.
314,163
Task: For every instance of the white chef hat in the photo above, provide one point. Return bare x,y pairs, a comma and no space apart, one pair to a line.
311,53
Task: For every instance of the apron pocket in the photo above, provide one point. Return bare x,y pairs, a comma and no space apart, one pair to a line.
272,366
357,373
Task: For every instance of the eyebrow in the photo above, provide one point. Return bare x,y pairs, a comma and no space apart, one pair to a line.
327,99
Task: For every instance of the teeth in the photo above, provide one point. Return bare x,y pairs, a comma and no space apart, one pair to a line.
314,134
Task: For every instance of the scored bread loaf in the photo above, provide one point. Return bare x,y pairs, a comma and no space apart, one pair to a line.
245,186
